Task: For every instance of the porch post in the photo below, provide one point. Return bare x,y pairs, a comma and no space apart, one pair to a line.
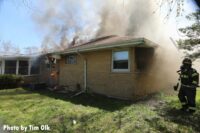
29,67
3,66
17,67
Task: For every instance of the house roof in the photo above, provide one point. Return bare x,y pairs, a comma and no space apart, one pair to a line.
108,42
20,56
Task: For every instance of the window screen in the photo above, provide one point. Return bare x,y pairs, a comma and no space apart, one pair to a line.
10,66
120,60
23,68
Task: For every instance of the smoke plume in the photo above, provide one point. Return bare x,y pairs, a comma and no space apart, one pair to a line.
63,20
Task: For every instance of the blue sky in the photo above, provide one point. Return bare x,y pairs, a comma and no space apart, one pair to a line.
17,26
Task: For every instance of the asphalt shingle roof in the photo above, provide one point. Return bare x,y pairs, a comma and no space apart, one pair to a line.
110,42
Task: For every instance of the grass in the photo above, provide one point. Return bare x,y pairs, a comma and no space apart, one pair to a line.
92,113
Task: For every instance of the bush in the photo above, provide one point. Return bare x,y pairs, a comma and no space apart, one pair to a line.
10,81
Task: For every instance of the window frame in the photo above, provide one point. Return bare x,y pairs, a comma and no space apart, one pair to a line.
120,70
23,66
5,67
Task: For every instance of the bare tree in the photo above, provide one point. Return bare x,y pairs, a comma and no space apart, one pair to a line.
177,5
31,50
8,48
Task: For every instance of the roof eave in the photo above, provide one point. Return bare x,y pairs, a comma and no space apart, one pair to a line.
13,58
106,46
130,43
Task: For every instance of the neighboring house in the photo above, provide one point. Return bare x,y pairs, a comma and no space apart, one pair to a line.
27,66
113,66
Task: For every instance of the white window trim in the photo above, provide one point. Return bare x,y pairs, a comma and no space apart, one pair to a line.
121,70
3,66
17,67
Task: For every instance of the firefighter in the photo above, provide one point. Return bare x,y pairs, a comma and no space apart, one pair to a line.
189,79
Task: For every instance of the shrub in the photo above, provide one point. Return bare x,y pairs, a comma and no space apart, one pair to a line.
10,81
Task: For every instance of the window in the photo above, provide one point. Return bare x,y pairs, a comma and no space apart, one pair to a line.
143,58
23,68
120,61
71,59
35,67
10,66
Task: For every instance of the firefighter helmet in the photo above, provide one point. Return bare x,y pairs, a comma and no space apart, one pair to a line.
187,61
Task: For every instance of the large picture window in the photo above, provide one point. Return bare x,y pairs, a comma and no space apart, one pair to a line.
10,66
20,67
35,67
23,68
120,61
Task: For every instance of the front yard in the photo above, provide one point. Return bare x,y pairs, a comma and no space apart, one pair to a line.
92,114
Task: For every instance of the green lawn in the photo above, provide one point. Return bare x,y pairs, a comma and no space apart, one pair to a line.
95,114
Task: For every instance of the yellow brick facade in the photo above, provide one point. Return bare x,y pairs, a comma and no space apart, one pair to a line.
100,78
71,75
